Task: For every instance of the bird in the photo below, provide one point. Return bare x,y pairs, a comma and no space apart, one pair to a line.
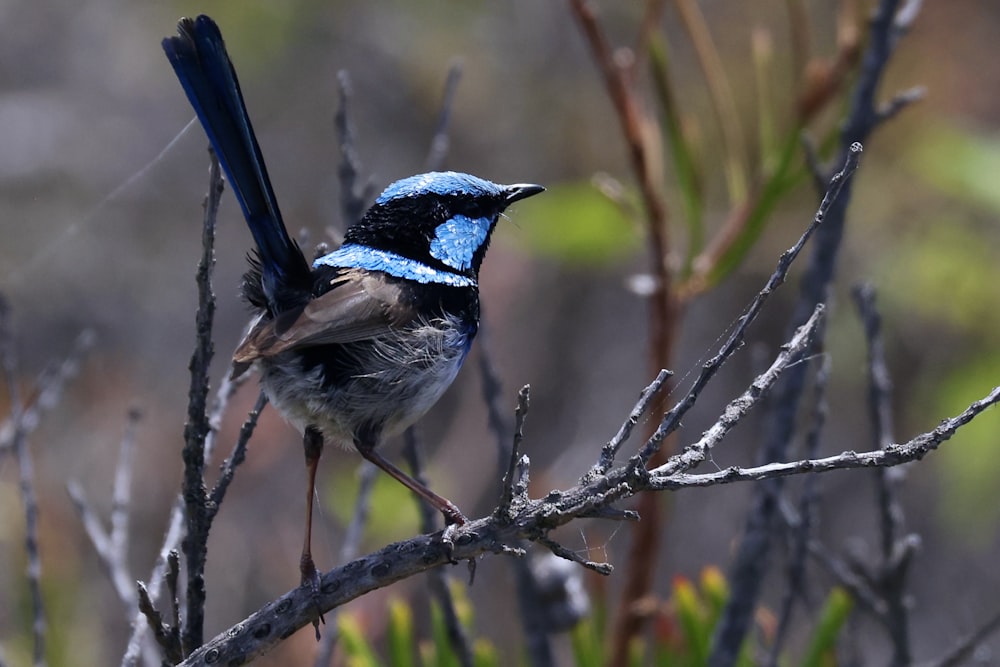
356,346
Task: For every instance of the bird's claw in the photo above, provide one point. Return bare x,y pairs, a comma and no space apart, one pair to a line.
311,582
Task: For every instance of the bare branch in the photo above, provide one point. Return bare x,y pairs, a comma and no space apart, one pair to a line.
610,450
966,646
802,525
47,389
354,194
237,456
175,524
161,632
197,515
440,142
515,479
532,521
739,407
896,550
437,578
893,455
26,481
672,419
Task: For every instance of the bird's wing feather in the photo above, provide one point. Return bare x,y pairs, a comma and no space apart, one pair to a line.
358,306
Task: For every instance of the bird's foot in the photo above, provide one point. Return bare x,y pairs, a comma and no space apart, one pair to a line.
311,582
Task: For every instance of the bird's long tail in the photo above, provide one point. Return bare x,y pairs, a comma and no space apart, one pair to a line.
198,55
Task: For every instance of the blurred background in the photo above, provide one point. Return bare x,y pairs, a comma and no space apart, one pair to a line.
100,210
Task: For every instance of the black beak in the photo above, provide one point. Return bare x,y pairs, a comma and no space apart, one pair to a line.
521,191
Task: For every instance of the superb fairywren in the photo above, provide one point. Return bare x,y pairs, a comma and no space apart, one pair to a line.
358,346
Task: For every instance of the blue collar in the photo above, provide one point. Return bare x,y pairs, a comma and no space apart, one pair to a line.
355,256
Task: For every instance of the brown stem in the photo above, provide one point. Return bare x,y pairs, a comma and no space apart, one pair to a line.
637,128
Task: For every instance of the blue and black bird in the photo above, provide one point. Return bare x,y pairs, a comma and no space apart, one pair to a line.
359,345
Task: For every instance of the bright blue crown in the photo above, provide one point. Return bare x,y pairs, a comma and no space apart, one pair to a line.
440,183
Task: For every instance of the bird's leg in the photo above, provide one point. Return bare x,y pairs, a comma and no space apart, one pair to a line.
452,515
312,442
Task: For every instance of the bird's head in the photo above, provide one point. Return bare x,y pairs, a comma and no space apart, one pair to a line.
441,219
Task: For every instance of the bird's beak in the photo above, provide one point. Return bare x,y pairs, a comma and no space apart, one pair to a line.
521,191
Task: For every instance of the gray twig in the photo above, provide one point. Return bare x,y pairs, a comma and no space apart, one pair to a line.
162,633
895,556
694,454
515,479
646,397
497,418
354,194
752,559
533,520
894,455
966,646
175,525
672,420
440,141
237,457
196,508
26,480
47,391
437,578
802,524
112,545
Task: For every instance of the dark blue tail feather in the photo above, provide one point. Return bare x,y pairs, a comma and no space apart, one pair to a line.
199,58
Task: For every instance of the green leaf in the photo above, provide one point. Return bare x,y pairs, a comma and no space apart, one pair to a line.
394,513
577,224
969,466
586,640
960,163
400,634
691,614
944,271
831,621
445,657
787,174
356,647
686,168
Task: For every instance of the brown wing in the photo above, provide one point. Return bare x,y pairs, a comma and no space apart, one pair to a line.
358,306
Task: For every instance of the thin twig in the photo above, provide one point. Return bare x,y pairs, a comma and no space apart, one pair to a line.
235,458
893,566
354,194
513,479
171,538
440,142
161,633
673,418
437,578
723,102
511,496
47,389
26,483
296,609
894,455
751,560
640,131
197,428
534,520
738,408
610,450
497,419
366,473
801,528
112,545
966,646
175,524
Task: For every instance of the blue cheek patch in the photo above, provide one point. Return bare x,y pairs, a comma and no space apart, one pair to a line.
457,240
354,256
